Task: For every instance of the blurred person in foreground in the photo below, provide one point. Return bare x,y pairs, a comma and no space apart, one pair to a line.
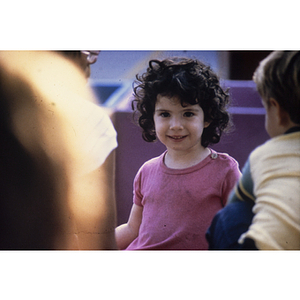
264,211
82,58
57,185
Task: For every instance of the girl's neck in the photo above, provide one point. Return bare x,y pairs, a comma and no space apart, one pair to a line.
174,160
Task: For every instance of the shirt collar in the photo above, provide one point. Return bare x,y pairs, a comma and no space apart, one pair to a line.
293,129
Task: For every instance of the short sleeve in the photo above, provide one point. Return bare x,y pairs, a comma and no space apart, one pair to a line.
137,194
232,177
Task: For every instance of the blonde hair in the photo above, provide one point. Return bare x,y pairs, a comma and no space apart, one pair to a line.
278,77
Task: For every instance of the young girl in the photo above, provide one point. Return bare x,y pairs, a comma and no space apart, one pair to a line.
177,194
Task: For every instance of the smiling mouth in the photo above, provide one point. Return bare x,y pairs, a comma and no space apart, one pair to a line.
177,138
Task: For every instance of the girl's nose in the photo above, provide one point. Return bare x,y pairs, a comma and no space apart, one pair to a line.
176,124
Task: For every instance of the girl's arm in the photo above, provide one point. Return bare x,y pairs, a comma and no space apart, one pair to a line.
126,233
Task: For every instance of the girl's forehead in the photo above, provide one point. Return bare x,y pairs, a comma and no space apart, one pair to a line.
164,100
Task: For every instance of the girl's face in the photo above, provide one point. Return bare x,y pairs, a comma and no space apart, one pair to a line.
179,128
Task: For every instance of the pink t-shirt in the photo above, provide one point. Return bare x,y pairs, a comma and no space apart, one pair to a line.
179,204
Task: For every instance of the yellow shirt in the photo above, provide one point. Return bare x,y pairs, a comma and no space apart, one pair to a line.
275,169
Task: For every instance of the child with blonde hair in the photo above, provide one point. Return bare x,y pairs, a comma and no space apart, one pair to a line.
264,211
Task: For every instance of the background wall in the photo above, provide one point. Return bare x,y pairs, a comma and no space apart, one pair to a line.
123,65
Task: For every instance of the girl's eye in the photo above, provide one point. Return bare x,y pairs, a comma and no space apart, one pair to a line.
164,114
188,114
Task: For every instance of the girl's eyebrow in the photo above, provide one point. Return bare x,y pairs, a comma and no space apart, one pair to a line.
161,109
191,109
184,109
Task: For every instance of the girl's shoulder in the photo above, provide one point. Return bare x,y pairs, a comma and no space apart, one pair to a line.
224,160
222,156
153,162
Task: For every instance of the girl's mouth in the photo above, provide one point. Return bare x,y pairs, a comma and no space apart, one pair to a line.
177,137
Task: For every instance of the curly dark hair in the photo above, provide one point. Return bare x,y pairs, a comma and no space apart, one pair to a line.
190,80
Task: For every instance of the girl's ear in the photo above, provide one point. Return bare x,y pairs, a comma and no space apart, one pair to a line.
206,124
